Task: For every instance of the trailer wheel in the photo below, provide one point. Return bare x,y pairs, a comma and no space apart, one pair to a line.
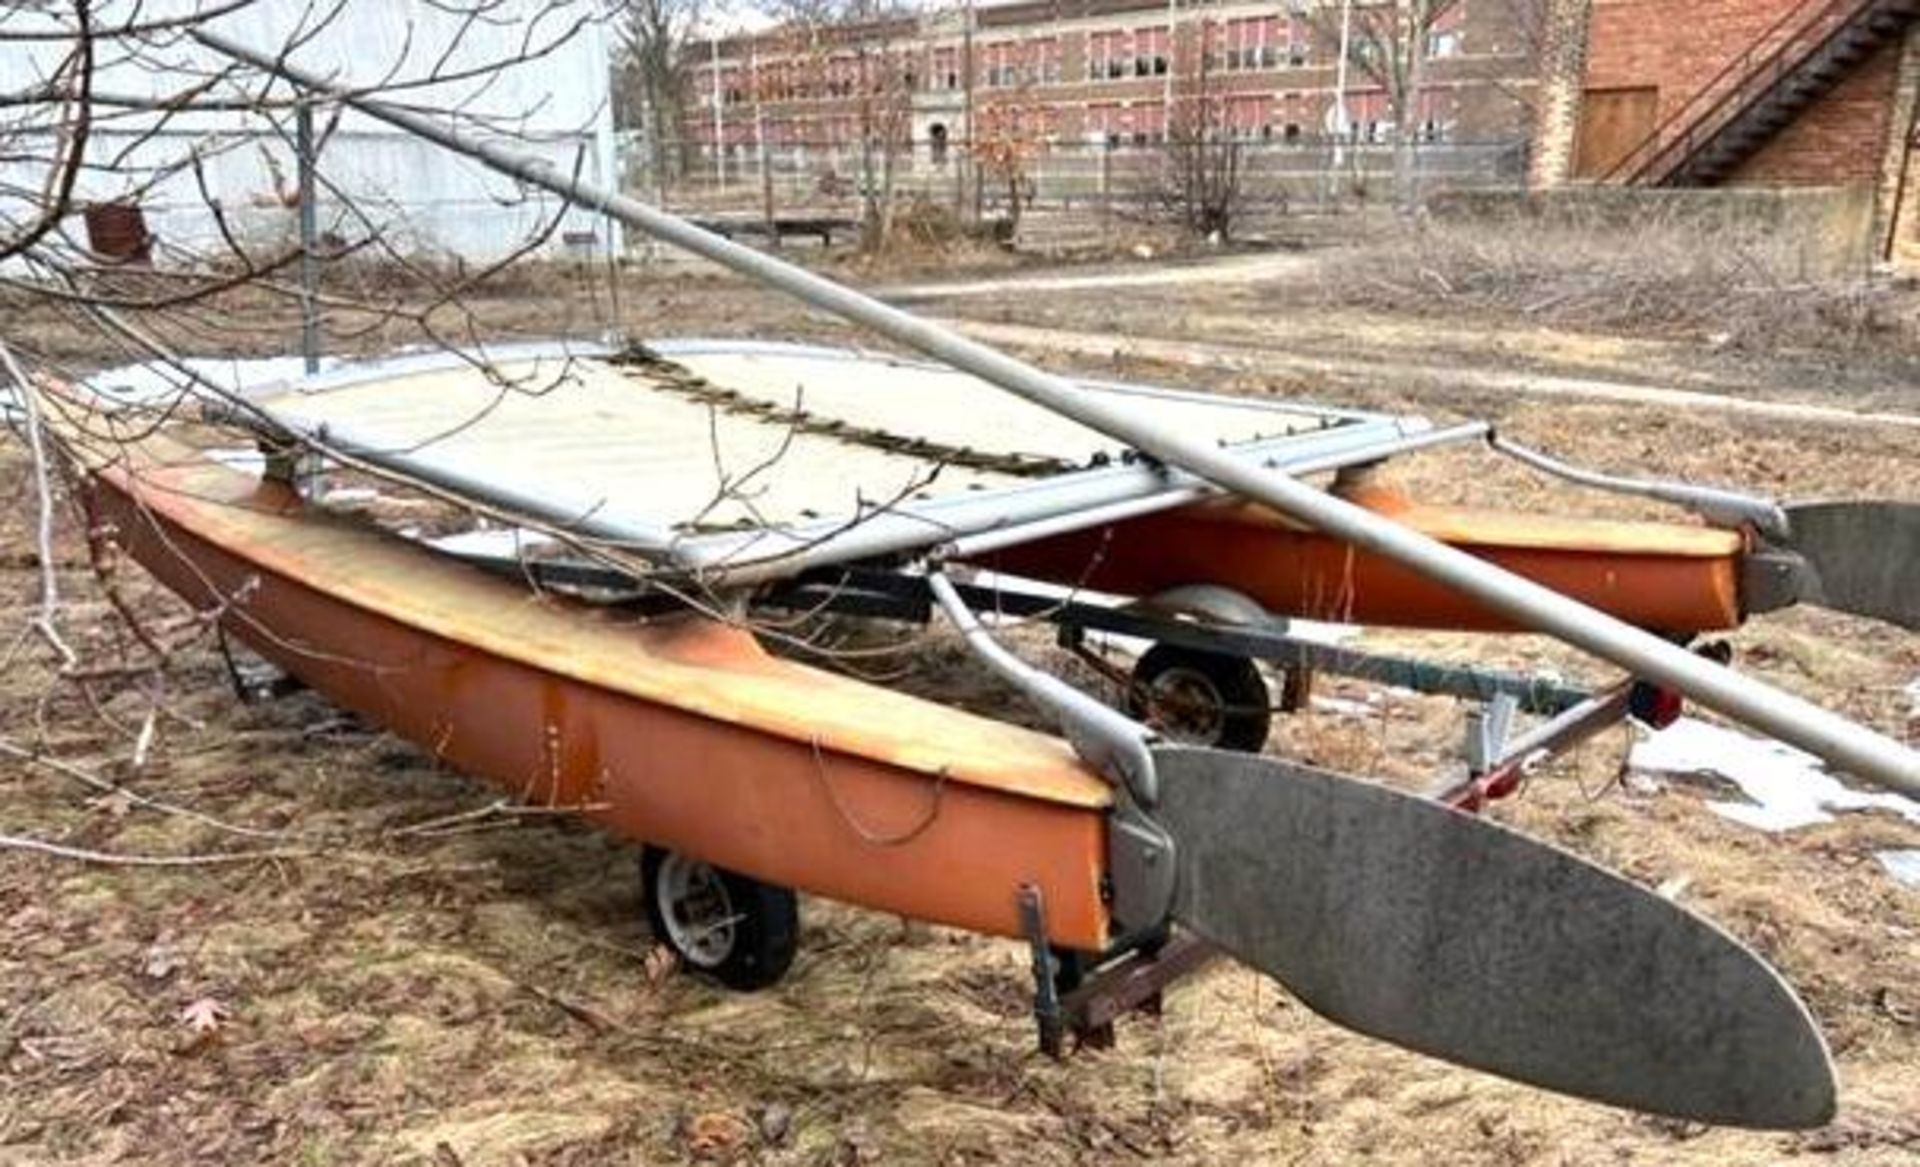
731,927
1200,698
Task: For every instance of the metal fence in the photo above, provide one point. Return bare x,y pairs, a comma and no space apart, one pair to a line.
827,179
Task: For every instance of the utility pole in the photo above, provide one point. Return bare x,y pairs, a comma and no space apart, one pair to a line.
970,161
719,129
1166,95
760,142
1341,125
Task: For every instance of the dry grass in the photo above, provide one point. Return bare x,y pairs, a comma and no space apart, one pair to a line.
492,992
1745,287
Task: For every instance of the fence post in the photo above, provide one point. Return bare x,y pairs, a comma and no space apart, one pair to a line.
1106,192
309,237
766,184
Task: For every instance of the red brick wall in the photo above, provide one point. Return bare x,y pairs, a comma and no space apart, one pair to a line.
1679,47
1682,48
1842,140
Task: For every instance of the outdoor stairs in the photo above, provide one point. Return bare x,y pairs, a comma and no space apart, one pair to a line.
1761,92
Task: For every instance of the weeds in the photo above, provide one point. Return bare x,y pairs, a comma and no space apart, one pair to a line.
1745,285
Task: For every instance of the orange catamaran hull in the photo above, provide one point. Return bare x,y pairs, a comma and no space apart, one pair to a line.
1667,577
683,733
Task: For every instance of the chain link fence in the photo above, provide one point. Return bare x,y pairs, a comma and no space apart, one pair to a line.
817,189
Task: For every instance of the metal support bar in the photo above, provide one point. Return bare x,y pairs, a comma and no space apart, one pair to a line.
1825,734
1551,737
1064,503
1140,854
884,595
1133,982
899,596
1047,1016
590,518
1722,508
1487,728
986,542
1111,742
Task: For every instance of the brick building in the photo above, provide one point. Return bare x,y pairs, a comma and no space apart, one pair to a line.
1767,93
1087,72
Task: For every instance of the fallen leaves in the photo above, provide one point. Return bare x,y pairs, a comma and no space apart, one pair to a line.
161,959
717,1135
205,1020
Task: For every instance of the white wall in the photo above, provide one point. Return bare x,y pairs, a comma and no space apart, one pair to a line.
417,195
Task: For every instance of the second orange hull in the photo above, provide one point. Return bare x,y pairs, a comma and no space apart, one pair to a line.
1666,578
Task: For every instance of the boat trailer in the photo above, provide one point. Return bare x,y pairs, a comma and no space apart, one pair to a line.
1216,641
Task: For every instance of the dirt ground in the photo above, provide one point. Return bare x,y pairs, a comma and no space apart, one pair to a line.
409,979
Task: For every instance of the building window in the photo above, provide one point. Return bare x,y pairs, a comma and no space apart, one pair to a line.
1249,45
1104,124
1043,60
1246,116
1150,55
1109,56
1299,46
842,76
1003,65
1443,44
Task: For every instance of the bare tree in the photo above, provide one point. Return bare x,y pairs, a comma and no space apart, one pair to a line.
152,192
1199,177
869,55
1009,137
1522,26
654,73
1390,42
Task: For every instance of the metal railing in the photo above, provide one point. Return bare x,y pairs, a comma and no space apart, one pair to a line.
1076,177
1768,60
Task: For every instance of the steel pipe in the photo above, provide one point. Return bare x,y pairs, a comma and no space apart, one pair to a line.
1721,507
1825,734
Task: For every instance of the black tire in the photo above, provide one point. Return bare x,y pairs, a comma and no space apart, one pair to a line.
1201,698
721,924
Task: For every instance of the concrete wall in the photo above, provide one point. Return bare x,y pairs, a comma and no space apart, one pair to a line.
1897,199
1857,136
1832,228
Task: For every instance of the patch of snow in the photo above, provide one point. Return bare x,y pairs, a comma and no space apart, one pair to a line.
1785,787
352,494
1348,707
500,543
1320,633
245,459
1904,866
156,382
